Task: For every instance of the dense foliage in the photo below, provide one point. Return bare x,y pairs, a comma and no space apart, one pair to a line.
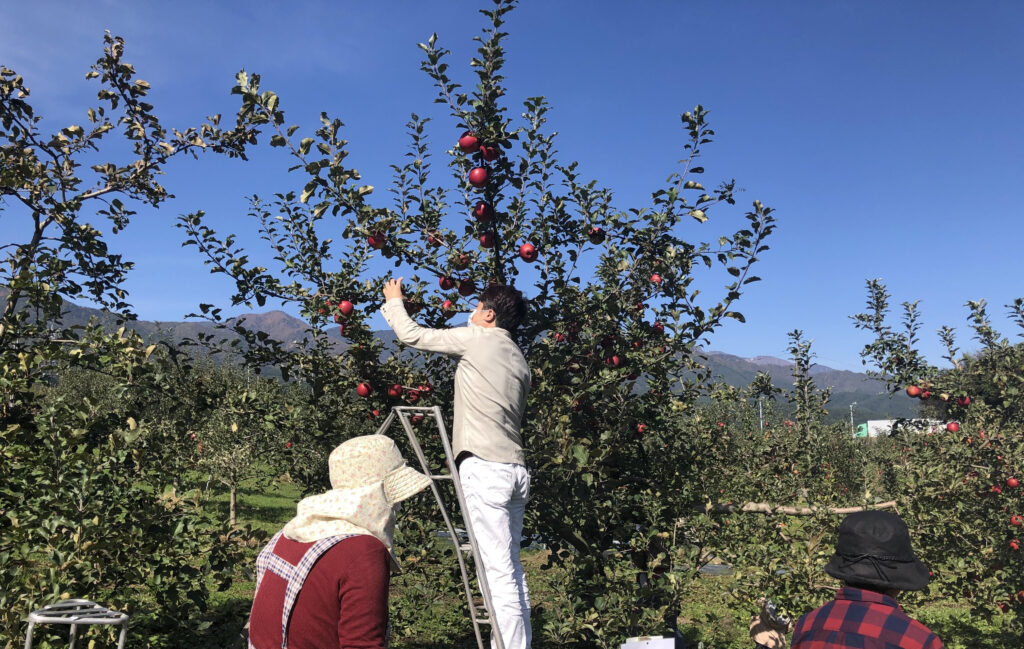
645,471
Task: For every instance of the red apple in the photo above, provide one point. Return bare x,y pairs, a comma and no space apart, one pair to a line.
483,211
346,307
913,391
364,389
192,436
446,283
425,388
374,414
558,336
1015,544
1016,520
434,239
996,489
926,394
377,240
641,428
637,344
462,261
489,152
614,361
469,142
655,278
416,419
395,391
952,427
528,252
596,235
1012,482
487,239
288,445
413,396
341,330
467,287
964,401
478,176
657,326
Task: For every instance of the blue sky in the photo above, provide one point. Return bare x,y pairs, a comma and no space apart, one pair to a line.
887,136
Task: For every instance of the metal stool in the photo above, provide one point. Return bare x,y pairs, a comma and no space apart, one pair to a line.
75,612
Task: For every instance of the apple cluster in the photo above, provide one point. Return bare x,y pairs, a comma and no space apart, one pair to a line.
925,392
478,177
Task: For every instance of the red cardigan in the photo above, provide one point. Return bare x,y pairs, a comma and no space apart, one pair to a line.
342,604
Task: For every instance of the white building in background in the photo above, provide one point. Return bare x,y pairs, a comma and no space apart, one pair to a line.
876,427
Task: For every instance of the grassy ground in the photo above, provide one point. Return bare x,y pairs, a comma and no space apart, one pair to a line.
708,615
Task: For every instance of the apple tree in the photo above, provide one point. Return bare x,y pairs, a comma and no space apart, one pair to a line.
619,300
957,484
84,460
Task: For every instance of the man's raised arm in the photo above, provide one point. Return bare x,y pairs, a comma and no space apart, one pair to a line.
453,342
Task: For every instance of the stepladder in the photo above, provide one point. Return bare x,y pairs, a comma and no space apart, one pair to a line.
481,609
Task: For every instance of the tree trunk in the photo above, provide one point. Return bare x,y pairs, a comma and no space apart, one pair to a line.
232,502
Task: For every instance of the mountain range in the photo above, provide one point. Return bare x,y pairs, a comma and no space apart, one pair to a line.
868,395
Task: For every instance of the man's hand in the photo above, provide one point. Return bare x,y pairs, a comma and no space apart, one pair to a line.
393,288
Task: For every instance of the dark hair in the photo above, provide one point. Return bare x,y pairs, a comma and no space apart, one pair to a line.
508,305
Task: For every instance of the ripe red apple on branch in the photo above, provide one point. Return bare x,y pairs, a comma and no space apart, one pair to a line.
483,211
446,283
596,235
467,287
364,389
952,426
655,278
346,307
964,401
478,176
1016,520
469,142
913,391
462,262
1012,482
395,391
489,152
487,239
528,252
377,240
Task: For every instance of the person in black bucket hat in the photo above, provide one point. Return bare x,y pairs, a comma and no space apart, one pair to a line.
875,561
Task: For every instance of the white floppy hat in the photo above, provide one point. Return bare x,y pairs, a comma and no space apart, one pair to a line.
369,459
368,476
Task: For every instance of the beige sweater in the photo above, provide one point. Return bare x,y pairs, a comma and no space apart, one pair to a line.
491,383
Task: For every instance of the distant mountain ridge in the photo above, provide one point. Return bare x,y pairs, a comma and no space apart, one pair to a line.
872,401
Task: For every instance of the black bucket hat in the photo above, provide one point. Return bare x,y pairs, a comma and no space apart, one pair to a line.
874,550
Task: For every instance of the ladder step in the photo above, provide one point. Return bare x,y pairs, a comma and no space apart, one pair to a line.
466,547
482,620
440,476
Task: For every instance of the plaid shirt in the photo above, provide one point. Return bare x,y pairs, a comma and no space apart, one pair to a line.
861,619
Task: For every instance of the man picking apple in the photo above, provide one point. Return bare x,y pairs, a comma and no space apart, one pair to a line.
492,381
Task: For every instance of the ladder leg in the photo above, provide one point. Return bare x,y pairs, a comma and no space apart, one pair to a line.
453,535
481,577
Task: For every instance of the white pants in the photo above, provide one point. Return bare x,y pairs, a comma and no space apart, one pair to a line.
496,495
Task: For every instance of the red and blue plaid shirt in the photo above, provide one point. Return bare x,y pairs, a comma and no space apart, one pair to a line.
861,619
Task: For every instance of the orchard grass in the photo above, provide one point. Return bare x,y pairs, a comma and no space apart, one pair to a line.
708,615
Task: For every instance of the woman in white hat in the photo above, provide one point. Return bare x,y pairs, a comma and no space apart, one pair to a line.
322,581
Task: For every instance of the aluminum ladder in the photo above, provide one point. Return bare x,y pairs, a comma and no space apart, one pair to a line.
478,616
